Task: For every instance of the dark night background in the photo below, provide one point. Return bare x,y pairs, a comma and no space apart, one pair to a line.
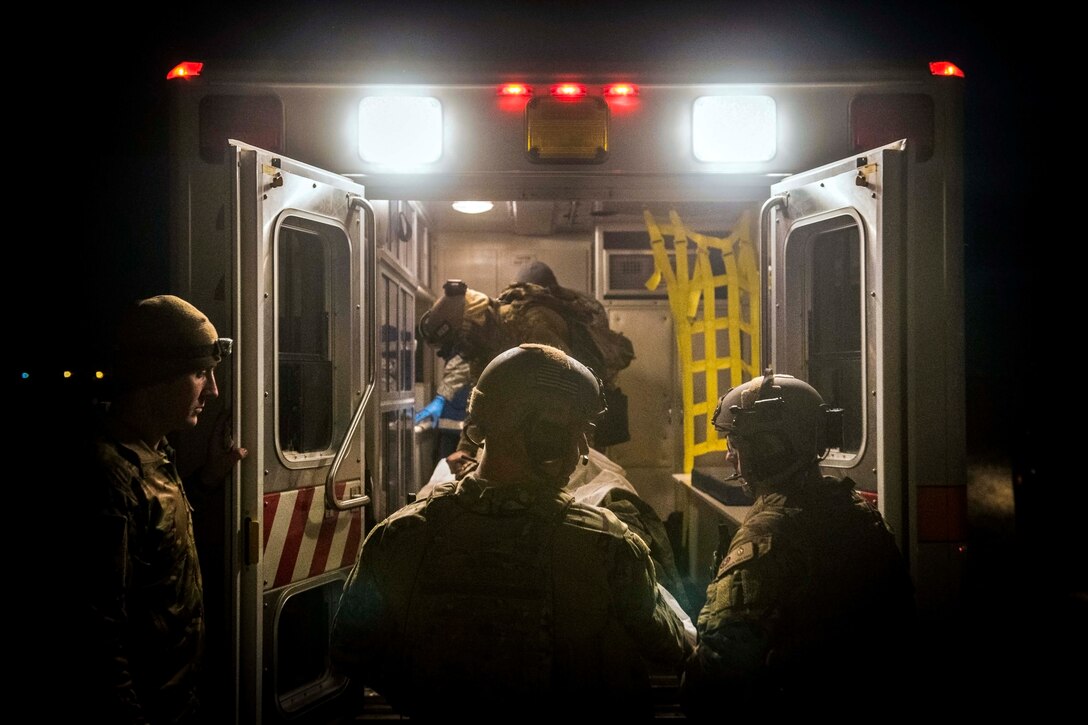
98,169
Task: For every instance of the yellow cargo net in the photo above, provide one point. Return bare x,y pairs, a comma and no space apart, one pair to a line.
715,307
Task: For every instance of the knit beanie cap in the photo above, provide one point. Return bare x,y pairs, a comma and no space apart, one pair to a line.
162,337
537,272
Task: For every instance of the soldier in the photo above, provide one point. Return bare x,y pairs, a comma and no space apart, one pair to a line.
498,594
473,327
812,605
468,324
447,410
588,336
140,602
465,327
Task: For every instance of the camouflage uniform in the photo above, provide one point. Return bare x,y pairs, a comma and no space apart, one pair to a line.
506,601
578,325
534,323
454,388
142,588
496,327
812,596
536,314
456,378
641,518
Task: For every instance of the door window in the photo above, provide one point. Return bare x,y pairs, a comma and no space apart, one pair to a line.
824,283
311,333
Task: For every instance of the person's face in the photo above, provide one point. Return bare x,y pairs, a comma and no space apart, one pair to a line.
731,456
182,398
735,453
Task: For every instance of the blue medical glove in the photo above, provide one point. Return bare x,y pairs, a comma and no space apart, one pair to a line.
432,411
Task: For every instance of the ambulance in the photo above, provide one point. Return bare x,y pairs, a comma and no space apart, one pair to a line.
738,220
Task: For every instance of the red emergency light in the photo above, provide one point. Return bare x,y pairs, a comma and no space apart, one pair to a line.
568,90
945,68
185,69
515,89
620,90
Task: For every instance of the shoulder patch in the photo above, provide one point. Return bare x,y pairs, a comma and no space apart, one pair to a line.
737,555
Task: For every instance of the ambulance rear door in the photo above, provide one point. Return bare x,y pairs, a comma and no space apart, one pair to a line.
305,261
865,301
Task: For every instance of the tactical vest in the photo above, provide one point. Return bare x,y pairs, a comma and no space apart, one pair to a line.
483,596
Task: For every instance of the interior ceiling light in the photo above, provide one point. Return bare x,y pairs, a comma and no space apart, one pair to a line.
472,207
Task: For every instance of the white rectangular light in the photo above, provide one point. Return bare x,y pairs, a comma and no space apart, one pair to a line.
734,129
400,131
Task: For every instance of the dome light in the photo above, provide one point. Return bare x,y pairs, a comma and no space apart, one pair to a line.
472,207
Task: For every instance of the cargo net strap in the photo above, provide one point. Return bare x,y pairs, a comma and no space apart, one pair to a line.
713,288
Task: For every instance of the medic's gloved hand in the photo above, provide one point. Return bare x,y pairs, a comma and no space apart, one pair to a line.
432,411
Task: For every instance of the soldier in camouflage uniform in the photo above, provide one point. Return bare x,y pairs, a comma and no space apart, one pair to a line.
474,327
500,596
141,609
811,610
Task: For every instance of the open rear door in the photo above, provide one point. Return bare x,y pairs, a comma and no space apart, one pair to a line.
304,303
865,303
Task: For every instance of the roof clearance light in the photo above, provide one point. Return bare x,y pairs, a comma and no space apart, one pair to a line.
620,90
944,68
515,89
568,90
186,69
400,131
472,207
732,129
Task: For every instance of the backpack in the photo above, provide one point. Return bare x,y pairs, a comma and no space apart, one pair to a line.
592,342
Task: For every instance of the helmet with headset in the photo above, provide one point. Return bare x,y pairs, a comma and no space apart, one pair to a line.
541,394
777,424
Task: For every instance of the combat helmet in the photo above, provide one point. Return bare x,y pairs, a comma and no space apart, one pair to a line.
521,385
777,424
441,326
462,321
